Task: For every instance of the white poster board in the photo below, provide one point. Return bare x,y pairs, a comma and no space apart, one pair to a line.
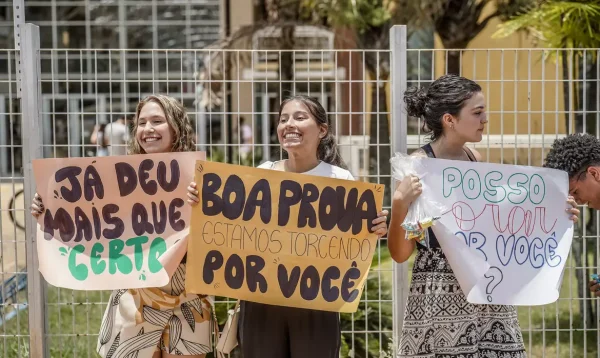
505,231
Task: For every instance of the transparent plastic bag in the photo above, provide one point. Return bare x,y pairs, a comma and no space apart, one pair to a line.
425,210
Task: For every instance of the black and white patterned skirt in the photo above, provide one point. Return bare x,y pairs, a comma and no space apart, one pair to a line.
440,323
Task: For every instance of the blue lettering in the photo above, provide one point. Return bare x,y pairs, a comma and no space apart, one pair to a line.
475,240
536,252
536,258
464,237
552,258
521,250
501,250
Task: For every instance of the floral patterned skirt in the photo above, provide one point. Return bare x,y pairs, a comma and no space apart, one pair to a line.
439,322
138,322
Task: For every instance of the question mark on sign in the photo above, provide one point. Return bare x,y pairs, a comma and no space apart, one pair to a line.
496,277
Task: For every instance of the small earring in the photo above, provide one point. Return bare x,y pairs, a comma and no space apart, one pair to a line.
452,126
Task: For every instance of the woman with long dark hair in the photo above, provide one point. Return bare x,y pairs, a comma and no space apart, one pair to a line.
267,331
438,321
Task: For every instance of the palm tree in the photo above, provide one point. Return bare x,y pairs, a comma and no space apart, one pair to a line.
370,21
568,25
458,22
271,17
561,25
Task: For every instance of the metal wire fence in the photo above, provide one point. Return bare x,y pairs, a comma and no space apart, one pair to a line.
232,98
84,88
14,332
532,99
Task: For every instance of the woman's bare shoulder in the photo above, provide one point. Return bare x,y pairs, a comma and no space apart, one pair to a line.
476,154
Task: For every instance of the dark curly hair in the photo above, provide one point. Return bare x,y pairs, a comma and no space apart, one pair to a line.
574,154
447,94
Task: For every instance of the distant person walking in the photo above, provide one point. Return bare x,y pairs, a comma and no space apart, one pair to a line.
246,138
113,138
98,137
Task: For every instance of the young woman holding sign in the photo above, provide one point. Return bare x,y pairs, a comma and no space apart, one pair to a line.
267,331
156,322
438,321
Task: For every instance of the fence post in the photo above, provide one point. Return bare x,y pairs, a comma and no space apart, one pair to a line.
19,22
32,149
398,48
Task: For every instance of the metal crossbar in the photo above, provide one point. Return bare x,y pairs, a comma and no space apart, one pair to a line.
531,103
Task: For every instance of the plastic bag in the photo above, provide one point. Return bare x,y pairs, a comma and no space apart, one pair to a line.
424,211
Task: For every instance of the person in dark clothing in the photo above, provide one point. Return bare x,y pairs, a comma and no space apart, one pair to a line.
579,156
267,331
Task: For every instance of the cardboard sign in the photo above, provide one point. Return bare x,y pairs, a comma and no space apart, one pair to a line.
279,238
506,233
113,222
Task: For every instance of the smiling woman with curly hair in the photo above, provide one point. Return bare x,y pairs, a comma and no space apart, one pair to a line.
156,322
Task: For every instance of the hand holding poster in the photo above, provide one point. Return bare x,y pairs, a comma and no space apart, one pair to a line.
113,222
506,233
280,238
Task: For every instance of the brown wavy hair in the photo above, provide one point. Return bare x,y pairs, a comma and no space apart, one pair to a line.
177,117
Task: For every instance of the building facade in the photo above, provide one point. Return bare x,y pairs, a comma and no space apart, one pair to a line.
98,59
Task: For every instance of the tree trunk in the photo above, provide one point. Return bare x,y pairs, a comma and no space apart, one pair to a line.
591,96
566,88
379,133
287,60
590,317
579,273
286,69
453,62
595,268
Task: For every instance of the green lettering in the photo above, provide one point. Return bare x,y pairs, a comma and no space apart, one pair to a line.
494,193
515,182
116,260
80,272
98,265
452,178
137,243
537,189
157,248
473,181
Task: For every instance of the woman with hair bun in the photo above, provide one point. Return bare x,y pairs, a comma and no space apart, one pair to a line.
438,321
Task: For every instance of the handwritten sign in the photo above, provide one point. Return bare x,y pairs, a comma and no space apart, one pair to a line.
283,239
113,222
506,233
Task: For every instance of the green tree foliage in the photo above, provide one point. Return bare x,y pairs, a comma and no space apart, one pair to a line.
572,26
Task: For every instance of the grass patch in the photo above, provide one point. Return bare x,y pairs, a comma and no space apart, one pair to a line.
555,330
